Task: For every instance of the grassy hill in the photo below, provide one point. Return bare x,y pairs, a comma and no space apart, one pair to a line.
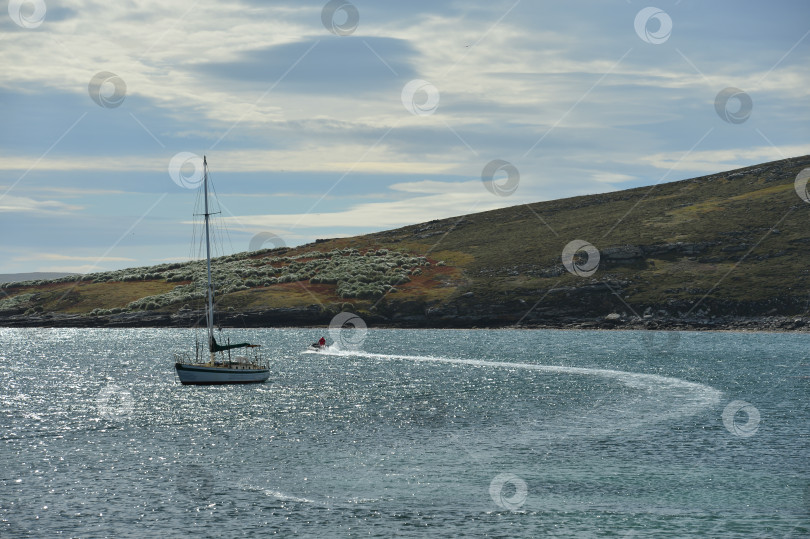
724,250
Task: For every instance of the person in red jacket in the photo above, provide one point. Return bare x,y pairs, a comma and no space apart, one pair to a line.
322,342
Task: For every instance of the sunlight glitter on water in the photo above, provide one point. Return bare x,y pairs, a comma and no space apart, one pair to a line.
605,432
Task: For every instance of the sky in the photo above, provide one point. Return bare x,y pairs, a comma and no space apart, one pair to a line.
331,119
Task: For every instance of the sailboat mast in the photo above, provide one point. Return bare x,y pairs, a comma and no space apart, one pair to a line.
210,317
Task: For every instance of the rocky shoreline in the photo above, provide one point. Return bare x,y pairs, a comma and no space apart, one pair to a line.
314,316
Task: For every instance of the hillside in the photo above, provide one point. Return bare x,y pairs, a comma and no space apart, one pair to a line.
727,250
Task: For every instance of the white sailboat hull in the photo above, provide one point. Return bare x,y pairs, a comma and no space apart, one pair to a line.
203,375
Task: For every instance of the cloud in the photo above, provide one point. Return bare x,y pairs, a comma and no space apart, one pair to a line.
719,160
60,257
83,268
12,203
446,199
611,177
340,157
329,65
432,186
73,191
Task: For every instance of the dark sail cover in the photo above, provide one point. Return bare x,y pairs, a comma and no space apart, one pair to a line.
216,347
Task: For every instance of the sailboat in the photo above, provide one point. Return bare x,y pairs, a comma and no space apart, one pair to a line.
216,365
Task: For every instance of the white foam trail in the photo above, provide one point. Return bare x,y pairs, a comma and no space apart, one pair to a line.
245,485
668,397
286,497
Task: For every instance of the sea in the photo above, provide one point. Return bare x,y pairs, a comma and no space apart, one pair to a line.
408,433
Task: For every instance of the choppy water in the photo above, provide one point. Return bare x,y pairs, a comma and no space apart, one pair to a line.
477,433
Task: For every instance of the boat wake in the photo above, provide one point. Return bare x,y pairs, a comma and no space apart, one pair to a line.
654,398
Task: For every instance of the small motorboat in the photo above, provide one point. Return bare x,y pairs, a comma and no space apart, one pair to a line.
315,347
